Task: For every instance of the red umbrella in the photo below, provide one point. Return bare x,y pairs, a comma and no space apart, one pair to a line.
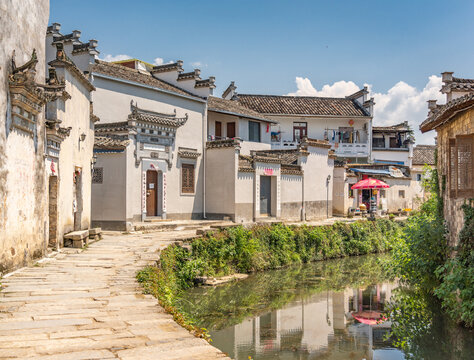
370,183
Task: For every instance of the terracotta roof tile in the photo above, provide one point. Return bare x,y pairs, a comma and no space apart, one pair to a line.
302,105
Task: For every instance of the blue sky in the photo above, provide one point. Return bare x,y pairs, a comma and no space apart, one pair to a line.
265,45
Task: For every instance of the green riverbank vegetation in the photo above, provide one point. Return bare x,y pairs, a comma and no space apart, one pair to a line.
261,247
430,271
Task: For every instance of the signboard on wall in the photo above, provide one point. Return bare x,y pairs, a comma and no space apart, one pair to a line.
143,191
164,192
268,172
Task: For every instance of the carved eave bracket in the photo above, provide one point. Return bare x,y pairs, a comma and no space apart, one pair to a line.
27,98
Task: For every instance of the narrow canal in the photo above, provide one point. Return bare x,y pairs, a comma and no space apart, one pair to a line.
323,310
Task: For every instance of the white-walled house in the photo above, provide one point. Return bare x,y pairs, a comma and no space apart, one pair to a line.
291,184
69,147
157,172
149,141
23,209
392,144
346,123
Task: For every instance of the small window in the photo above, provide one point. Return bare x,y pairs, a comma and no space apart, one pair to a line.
218,129
401,194
231,130
383,195
378,142
187,178
98,175
394,142
351,192
254,131
418,177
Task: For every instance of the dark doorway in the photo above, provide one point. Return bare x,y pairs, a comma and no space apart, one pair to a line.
53,211
151,192
78,203
231,130
265,195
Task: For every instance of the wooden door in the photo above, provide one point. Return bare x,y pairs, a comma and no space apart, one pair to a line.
218,129
151,192
231,130
265,195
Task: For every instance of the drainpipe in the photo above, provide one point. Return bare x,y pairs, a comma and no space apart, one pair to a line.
327,195
204,139
303,209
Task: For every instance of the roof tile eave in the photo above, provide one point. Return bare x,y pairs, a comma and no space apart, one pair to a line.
122,72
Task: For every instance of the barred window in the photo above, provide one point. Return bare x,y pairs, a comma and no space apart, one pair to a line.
461,166
98,175
401,194
187,178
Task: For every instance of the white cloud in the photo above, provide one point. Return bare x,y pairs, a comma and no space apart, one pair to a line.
196,64
402,102
111,58
338,89
160,61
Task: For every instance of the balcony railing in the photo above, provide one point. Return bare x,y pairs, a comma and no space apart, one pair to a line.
351,149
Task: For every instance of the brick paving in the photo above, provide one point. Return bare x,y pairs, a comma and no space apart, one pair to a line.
88,305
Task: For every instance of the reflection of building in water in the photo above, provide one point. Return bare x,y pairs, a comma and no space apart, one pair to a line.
320,325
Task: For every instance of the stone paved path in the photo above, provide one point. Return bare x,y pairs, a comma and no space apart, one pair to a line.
88,305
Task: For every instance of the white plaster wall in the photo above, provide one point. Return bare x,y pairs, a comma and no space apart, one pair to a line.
74,154
291,188
244,197
221,181
112,104
108,198
394,202
340,190
23,205
316,170
247,146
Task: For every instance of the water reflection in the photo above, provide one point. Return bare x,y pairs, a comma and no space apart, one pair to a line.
325,310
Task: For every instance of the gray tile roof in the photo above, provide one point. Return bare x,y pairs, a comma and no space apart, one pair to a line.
302,105
424,154
234,108
397,127
110,143
447,111
122,72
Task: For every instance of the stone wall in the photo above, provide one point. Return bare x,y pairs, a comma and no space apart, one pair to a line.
23,204
461,124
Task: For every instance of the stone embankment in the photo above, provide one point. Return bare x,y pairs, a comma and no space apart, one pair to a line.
88,305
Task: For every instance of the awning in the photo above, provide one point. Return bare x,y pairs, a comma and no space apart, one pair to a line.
370,183
371,171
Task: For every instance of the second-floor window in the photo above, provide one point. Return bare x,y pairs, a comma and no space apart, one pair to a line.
300,130
461,166
254,131
187,178
378,142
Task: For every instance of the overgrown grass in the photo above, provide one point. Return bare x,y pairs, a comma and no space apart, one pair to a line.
244,250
